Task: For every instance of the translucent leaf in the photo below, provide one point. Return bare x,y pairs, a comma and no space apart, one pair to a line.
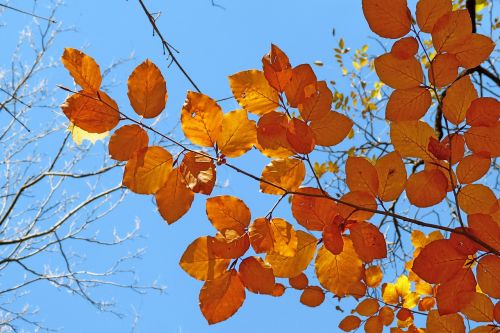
331,129
300,136
199,172
271,135
92,111
147,170
299,282
286,173
313,213
473,50
368,241
449,294
302,85
429,11
458,99
126,141
277,68
476,198
399,73
426,188
312,296
488,274
349,323
276,235
472,168
367,307
361,175
238,135
411,139
338,272
443,70
201,119
373,276
391,173
147,90
405,48
292,266
452,323
483,111
438,261
408,104
318,105
253,92
257,276
479,308
83,68
174,199
387,18
228,212
451,30
200,262
222,297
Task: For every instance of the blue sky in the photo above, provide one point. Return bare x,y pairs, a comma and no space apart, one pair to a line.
213,44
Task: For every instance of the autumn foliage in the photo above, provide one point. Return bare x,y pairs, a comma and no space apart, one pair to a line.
286,113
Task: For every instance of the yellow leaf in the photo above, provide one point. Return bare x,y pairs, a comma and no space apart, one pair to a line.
201,119
286,173
200,262
79,135
238,135
253,92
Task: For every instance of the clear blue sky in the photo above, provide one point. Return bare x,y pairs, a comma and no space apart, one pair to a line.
214,43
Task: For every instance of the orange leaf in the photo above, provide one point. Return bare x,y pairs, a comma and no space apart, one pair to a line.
476,198
374,325
83,68
403,314
484,139
426,188
127,140
408,104
317,105
448,295
399,73
486,229
443,70
271,135
473,50
276,235
429,11
360,200
229,245
426,304
386,315
458,99
253,92
440,150
286,173
488,275
238,135
479,307
472,168
462,243
387,18
367,307
94,112
174,199
199,172
483,111
288,267
147,170
300,136
331,129
228,212
257,276
200,262
277,68
201,119
391,174
438,261
457,146
373,276
222,297
312,296
451,30
147,90
349,323
368,241
361,175
496,312
452,323
278,290
411,139
405,48
338,272
332,237
313,213
302,85
299,282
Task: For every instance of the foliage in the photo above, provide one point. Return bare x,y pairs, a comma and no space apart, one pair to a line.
286,113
